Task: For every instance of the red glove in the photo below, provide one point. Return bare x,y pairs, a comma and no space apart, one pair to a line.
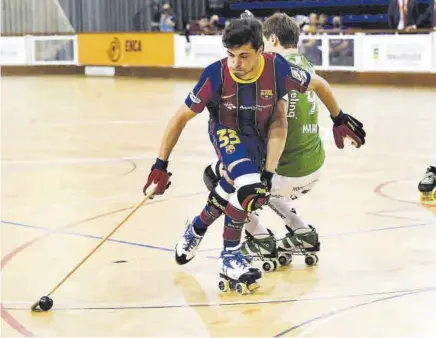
347,125
159,176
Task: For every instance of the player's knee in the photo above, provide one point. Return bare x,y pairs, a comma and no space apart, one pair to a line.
253,196
212,175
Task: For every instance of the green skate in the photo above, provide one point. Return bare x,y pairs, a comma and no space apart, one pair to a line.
262,252
303,241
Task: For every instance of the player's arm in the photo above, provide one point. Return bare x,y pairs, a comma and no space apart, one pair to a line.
345,125
194,104
325,94
174,130
276,140
158,173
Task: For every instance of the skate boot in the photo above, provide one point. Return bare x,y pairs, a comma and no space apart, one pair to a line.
303,241
262,252
427,185
187,245
236,272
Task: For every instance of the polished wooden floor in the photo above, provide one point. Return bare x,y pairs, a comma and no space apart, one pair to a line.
75,154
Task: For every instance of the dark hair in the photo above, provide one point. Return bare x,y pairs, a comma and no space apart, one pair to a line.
242,31
284,27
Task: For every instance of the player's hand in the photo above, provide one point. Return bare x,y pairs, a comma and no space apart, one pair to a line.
348,126
266,179
159,176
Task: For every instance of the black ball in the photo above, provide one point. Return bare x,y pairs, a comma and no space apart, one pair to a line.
45,303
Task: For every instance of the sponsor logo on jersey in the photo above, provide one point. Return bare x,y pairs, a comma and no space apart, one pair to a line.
266,94
299,75
194,98
293,100
229,105
257,107
310,128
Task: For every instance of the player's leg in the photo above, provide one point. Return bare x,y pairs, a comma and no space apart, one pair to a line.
260,243
301,238
242,159
427,185
250,195
189,243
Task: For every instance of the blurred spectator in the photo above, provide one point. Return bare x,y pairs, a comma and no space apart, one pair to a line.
322,22
200,27
337,24
312,50
341,52
216,25
166,22
313,24
403,14
428,18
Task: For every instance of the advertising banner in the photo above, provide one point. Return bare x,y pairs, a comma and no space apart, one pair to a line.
126,49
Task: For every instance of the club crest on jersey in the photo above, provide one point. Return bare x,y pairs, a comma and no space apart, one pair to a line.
230,149
194,98
298,75
266,94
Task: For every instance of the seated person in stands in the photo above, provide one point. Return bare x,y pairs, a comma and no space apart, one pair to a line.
313,24
322,22
200,27
337,24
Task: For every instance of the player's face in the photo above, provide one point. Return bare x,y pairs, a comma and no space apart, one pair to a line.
243,60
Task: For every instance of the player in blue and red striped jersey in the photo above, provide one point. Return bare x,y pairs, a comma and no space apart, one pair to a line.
248,129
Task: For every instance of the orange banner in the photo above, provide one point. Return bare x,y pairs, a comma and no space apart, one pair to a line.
126,49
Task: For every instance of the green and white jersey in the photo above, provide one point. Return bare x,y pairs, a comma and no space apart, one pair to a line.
304,151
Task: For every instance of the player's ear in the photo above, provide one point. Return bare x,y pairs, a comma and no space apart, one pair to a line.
274,40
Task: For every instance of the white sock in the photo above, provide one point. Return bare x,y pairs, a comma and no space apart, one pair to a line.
283,207
255,228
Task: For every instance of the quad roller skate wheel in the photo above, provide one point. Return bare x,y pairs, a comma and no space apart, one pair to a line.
285,259
241,289
269,266
311,259
428,196
224,285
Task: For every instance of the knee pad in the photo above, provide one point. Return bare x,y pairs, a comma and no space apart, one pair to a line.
211,176
253,196
216,203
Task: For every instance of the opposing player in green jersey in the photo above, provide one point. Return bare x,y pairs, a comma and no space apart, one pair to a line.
300,163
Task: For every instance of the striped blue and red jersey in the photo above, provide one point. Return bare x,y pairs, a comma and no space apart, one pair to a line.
246,106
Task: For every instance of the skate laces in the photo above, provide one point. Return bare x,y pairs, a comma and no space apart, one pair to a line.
191,240
429,178
237,257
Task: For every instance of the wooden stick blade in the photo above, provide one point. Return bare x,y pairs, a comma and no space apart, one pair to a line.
34,306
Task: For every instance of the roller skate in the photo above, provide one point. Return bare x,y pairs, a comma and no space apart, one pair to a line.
262,252
303,241
187,245
236,272
427,185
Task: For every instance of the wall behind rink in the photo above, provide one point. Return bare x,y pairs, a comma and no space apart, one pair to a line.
372,59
